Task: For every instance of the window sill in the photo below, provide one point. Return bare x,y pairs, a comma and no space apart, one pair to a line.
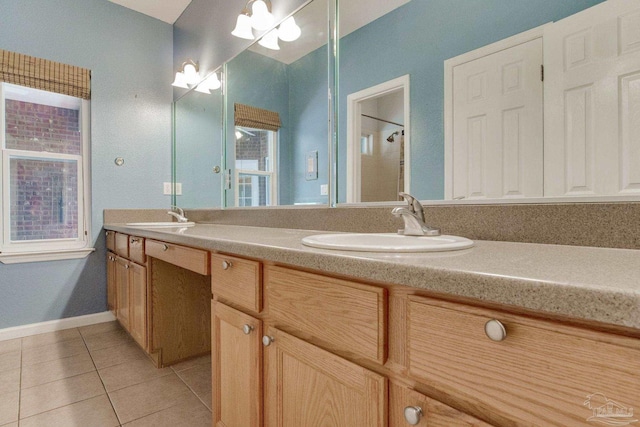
22,257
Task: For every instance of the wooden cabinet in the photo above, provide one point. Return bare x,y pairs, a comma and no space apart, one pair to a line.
408,407
122,291
237,280
237,367
306,385
131,298
111,282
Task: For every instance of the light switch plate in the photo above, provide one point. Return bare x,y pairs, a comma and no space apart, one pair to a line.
311,166
166,188
324,189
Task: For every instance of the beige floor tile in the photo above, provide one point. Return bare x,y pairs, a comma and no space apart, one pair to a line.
100,328
46,372
10,361
130,373
9,381
56,394
58,350
9,407
198,379
187,412
8,346
144,399
94,412
188,364
110,356
50,338
10,425
107,339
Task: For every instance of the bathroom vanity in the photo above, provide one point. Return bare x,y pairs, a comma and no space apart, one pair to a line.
500,334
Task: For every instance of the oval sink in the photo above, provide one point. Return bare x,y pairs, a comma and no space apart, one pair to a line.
386,242
159,224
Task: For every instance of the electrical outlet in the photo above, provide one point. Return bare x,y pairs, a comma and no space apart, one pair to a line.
324,189
166,188
178,189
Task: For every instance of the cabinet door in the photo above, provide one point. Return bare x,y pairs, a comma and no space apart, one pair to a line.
122,291
138,303
236,359
308,386
423,411
111,282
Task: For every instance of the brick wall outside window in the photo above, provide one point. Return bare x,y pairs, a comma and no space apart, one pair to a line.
43,193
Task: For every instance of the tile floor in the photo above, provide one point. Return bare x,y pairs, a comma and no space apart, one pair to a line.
97,376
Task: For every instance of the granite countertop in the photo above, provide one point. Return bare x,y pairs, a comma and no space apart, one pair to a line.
598,284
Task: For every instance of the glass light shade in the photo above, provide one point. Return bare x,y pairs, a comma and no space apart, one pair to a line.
213,82
180,81
190,74
203,88
243,27
261,18
270,40
288,31
238,134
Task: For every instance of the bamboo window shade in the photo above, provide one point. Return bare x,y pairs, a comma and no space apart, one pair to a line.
253,117
46,75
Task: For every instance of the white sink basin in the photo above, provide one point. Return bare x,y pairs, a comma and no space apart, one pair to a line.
386,242
159,224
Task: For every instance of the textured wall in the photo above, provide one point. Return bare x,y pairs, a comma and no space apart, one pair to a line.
130,56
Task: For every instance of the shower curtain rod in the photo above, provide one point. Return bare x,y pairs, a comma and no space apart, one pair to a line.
382,120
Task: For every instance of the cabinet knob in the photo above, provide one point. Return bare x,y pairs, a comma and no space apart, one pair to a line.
267,340
247,329
495,330
165,247
226,265
413,414
126,266
135,239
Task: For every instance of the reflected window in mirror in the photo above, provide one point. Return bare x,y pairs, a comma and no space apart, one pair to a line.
256,177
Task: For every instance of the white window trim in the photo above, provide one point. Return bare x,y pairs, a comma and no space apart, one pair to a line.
58,249
272,172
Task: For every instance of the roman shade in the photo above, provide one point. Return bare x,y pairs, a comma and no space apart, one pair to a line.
253,117
43,74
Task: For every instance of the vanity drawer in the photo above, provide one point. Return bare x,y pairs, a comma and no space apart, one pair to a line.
541,373
192,259
136,249
237,280
111,240
122,245
344,315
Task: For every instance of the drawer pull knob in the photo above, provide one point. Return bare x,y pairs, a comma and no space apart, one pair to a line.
165,247
226,265
413,414
135,240
247,329
267,340
495,330
126,266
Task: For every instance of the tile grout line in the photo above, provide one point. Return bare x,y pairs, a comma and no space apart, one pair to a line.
101,382
191,389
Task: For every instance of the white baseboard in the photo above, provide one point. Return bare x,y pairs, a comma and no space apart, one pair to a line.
55,325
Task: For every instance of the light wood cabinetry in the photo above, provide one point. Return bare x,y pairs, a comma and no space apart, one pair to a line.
306,385
195,260
237,280
131,297
237,367
123,297
121,245
111,282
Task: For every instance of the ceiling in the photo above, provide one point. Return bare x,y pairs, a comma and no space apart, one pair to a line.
165,10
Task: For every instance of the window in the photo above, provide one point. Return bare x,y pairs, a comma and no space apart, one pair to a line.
255,168
44,176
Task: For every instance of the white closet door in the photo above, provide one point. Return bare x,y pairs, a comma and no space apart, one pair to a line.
592,102
497,124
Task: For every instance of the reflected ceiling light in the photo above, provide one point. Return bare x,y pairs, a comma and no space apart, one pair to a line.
188,75
289,31
209,84
270,40
255,15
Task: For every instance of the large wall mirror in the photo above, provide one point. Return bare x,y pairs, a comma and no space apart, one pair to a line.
457,55
197,144
277,131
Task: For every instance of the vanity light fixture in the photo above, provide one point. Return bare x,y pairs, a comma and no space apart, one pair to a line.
270,40
257,15
210,83
188,75
289,31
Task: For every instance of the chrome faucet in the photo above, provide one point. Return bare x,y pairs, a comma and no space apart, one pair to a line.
179,215
413,217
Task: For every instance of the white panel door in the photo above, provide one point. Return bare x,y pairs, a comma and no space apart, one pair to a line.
592,102
497,124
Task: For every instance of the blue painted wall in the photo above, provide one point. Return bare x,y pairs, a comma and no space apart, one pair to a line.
131,58
415,39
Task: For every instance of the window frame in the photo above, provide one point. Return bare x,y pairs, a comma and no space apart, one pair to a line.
46,249
272,173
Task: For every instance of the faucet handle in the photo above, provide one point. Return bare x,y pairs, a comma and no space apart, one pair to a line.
407,197
414,204
179,209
